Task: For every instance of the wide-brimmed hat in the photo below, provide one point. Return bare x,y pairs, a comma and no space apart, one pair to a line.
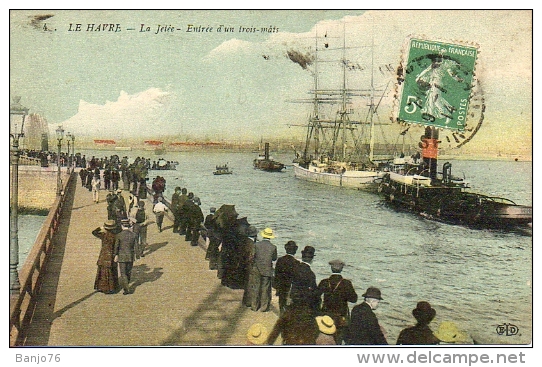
372,292
308,251
110,224
449,333
336,265
326,324
257,334
423,312
267,233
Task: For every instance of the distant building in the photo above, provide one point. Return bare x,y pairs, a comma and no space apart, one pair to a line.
35,128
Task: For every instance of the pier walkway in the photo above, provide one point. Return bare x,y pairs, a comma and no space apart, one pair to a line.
176,299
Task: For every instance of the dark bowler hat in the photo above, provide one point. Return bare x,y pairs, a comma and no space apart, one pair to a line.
308,251
423,312
290,244
336,265
252,231
372,292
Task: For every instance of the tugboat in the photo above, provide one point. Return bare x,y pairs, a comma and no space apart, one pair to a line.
437,90
421,189
222,170
266,163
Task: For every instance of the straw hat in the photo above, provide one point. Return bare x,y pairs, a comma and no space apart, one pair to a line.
267,233
449,333
257,334
110,225
326,324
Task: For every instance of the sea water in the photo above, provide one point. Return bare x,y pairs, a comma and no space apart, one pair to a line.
479,279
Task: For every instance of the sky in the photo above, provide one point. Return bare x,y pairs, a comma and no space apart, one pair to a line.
214,84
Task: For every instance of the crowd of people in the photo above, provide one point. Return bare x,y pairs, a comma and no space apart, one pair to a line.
310,313
124,233
319,314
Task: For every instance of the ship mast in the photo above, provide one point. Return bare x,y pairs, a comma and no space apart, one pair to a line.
343,110
371,107
316,109
314,124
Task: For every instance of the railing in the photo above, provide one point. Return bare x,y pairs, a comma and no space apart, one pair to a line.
31,275
29,161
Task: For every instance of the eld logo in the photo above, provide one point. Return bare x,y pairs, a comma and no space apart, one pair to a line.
507,329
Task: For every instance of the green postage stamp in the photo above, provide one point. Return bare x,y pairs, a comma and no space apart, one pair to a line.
437,84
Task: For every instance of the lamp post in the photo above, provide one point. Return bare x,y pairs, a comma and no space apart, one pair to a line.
59,137
17,114
73,151
68,138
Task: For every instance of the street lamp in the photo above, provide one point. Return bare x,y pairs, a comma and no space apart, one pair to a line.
59,137
68,138
73,151
17,115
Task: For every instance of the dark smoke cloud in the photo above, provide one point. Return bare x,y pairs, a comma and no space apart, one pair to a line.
37,20
302,60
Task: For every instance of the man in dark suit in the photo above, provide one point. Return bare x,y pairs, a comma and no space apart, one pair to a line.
297,326
124,251
337,292
420,334
261,272
364,328
304,287
284,273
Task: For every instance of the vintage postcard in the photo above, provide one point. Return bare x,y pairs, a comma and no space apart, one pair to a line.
236,178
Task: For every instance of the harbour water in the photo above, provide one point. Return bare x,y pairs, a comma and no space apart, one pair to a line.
479,279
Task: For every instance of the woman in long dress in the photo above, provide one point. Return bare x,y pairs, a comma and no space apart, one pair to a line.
107,280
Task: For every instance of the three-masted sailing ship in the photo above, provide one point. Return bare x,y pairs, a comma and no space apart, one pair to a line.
339,149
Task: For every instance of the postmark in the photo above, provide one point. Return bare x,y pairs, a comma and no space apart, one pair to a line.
436,84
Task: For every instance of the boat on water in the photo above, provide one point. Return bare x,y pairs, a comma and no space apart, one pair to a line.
432,95
162,164
265,162
156,146
222,170
339,149
446,198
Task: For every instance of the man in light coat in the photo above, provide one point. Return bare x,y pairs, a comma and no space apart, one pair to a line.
261,273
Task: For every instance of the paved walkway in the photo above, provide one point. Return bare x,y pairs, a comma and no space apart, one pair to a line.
176,299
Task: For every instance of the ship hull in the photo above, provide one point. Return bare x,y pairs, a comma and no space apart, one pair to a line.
268,165
350,179
454,204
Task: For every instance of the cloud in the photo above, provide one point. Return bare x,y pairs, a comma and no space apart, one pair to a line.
230,47
137,114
